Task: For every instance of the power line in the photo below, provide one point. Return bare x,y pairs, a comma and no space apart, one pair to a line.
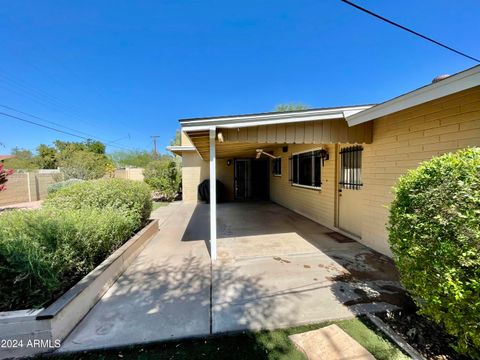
46,99
410,30
58,130
44,120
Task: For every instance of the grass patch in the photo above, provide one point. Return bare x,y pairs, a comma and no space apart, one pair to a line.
247,345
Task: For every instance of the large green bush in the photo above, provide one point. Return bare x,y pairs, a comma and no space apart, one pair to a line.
44,252
62,184
133,198
163,176
434,233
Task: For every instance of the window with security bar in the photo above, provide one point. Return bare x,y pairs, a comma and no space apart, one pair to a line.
351,168
306,169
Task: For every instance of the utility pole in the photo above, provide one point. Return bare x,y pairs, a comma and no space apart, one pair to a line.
155,153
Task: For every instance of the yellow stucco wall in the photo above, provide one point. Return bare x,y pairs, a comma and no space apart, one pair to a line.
195,170
404,139
317,205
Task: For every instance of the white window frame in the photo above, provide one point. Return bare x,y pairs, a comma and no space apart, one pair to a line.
313,170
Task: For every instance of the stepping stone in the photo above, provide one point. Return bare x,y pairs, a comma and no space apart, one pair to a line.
329,343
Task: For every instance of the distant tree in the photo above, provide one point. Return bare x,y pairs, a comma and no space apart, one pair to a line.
96,147
132,158
85,165
163,176
23,160
3,176
291,107
177,140
46,157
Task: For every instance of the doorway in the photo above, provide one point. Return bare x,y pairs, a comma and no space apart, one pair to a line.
350,193
251,179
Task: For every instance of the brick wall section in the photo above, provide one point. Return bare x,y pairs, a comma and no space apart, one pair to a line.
318,205
18,185
404,139
129,173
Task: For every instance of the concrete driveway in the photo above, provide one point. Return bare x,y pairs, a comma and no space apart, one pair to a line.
275,269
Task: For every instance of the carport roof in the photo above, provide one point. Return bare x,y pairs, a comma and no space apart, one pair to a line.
268,118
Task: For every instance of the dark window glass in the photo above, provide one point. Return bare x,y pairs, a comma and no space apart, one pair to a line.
277,166
306,169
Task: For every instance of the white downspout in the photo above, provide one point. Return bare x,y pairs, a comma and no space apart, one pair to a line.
213,196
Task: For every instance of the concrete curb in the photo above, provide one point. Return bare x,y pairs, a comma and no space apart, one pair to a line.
48,327
402,344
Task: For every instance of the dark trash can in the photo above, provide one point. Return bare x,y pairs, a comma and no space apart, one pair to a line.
204,191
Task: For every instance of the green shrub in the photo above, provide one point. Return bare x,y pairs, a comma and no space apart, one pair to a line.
163,176
44,252
133,198
434,232
61,184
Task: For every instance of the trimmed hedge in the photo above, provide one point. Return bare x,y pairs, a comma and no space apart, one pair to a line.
434,232
131,197
44,252
62,184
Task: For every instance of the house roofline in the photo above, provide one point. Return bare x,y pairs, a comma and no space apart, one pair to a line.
272,117
455,83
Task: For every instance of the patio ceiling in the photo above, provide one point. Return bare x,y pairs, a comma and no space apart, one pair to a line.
226,150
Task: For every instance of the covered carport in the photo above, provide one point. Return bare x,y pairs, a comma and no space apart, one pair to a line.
249,136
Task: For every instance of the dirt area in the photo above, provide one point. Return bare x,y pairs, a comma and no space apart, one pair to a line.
426,337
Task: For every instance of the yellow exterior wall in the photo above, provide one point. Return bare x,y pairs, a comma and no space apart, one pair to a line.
195,170
184,140
318,205
404,139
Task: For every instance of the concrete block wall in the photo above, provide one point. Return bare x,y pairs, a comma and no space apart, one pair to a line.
403,140
318,205
24,187
129,174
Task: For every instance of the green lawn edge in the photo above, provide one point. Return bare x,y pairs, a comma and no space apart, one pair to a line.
270,345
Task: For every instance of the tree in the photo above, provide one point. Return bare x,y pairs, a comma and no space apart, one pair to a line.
133,158
291,107
46,157
163,176
23,160
85,165
96,147
3,176
177,140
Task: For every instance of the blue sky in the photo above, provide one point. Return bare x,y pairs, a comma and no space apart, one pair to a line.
130,69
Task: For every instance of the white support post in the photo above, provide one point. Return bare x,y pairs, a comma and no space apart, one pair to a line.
213,196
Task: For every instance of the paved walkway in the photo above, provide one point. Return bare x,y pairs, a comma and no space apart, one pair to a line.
275,269
164,294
